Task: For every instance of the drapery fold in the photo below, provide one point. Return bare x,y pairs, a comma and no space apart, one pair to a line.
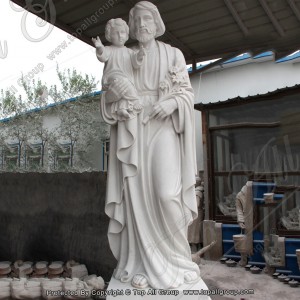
148,224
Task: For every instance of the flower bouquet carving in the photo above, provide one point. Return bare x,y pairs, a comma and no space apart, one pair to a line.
173,85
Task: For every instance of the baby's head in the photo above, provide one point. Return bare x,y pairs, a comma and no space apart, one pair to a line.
117,32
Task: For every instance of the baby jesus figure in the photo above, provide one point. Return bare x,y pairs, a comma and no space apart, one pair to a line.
120,62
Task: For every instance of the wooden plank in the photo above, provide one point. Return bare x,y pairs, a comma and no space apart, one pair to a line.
289,24
246,125
196,31
230,32
237,17
203,6
252,13
271,16
202,16
294,8
259,22
194,24
217,40
169,6
77,16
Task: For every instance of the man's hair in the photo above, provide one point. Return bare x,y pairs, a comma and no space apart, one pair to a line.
146,5
112,23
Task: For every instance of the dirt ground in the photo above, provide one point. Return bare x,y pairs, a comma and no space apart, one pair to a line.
219,276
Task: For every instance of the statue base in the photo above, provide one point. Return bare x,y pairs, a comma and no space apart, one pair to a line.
118,290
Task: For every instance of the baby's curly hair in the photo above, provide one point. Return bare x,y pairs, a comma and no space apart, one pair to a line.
113,23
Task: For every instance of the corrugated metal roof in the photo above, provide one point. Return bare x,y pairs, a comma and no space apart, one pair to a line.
242,100
295,57
203,30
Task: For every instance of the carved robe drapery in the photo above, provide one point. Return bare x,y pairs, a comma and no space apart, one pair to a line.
151,176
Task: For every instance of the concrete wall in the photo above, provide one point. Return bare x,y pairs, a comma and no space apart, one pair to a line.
93,158
87,157
55,217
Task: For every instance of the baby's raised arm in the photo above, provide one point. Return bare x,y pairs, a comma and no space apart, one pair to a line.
102,52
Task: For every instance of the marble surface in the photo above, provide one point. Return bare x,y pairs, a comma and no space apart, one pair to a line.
152,161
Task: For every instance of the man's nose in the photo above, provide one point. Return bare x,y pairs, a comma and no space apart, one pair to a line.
141,23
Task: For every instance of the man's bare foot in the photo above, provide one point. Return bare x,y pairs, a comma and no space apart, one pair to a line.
190,276
139,281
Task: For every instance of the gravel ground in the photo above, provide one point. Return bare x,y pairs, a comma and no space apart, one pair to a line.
219,276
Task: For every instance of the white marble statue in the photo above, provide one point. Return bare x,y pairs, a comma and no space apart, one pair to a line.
152,166
244,211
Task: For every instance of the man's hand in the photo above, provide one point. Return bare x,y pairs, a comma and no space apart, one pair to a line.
163,109
141,54
242,225
98,44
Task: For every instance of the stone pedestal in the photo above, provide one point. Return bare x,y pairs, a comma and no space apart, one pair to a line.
118,290
212,231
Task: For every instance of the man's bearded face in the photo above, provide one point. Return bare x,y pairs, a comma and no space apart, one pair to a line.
145,26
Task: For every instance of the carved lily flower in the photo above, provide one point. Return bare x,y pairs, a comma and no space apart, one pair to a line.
174,70
163,85
176,78
179,79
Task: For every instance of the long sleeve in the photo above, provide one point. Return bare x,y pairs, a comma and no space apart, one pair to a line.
104,57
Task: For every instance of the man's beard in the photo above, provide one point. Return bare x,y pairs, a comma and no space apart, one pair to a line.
146,36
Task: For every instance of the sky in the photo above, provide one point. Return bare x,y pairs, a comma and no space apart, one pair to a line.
26,44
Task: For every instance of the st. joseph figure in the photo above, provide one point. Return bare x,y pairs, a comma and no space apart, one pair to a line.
152,166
